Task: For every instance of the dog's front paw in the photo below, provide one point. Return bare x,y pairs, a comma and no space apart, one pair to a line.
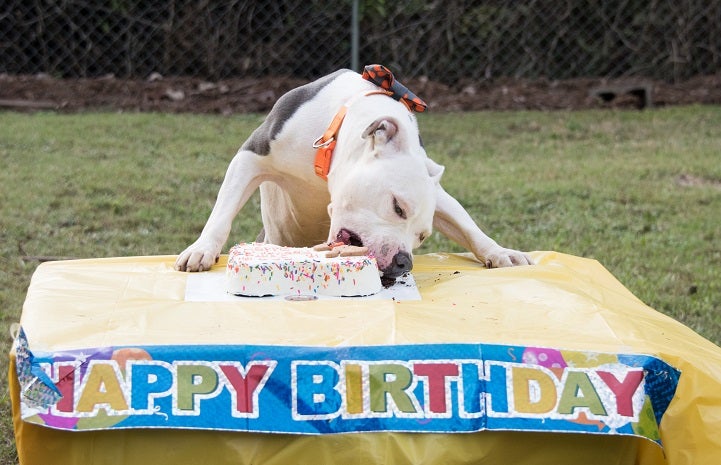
502,257
198,257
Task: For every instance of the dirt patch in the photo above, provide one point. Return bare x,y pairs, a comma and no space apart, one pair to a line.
689,180
193,95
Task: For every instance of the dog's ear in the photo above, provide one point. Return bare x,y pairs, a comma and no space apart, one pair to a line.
435,171
382,130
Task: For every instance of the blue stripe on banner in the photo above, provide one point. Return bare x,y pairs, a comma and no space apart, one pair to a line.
445,388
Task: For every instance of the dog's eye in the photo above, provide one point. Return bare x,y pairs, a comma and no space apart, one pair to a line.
397,208
421,237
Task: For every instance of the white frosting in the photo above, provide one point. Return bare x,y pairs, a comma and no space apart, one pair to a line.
256,269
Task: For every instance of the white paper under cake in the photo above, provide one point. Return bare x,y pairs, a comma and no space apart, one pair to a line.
256,269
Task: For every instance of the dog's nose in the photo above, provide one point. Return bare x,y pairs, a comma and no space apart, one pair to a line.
402,263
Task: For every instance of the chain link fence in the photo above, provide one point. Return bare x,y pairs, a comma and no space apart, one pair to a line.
448,40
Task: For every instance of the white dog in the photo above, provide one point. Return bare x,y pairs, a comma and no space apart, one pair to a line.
382,190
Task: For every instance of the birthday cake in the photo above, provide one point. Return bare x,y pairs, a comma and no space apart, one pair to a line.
257,269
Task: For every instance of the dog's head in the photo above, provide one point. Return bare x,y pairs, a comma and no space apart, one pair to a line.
386,198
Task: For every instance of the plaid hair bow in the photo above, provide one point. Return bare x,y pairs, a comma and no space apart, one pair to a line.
383,78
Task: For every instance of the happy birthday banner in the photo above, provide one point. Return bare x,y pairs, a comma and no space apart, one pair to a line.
319,390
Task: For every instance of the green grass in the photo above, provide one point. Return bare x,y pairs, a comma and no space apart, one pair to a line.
639,191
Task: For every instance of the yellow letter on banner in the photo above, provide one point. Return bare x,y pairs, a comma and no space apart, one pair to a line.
534,390
354,388
102,386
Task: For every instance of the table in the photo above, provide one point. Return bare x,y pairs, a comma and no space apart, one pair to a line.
514,320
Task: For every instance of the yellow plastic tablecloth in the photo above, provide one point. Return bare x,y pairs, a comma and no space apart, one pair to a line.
563,302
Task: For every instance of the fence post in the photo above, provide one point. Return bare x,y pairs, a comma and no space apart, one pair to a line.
355,33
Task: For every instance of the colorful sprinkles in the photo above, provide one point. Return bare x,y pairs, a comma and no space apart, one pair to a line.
265,269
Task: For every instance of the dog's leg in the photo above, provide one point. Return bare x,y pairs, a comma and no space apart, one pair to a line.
242,178
453,221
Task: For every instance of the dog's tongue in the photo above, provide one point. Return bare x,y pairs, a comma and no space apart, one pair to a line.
348,238
343,236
